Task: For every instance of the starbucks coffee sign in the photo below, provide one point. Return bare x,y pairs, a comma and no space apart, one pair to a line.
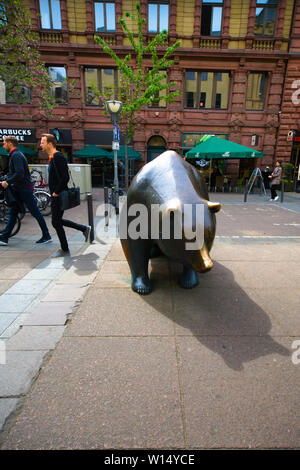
22,134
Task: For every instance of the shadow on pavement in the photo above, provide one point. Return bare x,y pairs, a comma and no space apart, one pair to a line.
219,313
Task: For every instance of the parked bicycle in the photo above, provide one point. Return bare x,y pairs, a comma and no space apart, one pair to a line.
113,198
4,214
41,191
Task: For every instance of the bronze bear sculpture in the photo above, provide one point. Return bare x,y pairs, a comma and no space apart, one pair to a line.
172,184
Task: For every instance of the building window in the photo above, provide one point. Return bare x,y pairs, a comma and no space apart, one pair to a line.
15,94
211,17
105,16
206,90
256,90
59,88
97,81
265,17
158,16
50,14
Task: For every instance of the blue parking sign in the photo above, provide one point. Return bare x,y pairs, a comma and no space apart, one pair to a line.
116,133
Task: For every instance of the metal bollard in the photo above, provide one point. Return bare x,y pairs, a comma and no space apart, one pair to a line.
245,190
282,191
91,216
106,206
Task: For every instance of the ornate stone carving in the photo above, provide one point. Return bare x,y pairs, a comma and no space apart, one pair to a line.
272,124
77,120
236,122
175,121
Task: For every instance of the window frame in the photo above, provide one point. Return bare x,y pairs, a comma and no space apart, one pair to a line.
50,17
158,3
99,83
266,74
214,89
266,6
48,65
212,4
105,30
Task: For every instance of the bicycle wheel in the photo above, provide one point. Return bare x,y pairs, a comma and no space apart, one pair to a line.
4,214
43,201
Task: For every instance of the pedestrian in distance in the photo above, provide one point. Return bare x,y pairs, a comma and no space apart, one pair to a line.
275,180
19,181
58,177
265,174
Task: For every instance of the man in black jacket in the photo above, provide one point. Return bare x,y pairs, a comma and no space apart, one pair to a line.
58,181
19,180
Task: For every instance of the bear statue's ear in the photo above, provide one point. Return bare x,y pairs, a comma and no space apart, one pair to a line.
214,206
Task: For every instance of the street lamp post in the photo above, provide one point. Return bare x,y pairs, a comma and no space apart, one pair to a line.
114,108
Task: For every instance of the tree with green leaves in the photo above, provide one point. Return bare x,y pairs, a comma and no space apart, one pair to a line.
140,84
21,69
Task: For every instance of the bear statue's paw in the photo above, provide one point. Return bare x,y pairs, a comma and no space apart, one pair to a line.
141,285
188,279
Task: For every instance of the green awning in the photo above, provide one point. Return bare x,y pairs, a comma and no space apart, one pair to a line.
214,147
92,151
131,153
25,150
3,152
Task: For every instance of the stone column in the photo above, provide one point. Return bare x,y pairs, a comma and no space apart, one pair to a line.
64,20
90,25
225,24
251,22
119,31
197,23
279,23
172,21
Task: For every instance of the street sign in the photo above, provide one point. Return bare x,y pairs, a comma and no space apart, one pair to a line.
116,145
116,133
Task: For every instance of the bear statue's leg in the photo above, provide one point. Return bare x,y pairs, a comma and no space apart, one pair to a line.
188,278
137,253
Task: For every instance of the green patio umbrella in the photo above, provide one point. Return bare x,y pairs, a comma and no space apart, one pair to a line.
213,147
131,153
27,151
92,151
3,152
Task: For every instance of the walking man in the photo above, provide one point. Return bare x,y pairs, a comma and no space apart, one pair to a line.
19,179
58,181
275,180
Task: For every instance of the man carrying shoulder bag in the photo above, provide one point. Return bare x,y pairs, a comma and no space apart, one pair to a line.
58,182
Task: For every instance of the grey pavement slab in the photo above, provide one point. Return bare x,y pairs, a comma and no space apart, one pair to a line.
39,274
35,338
7,406
65,293
25,286
119,312
96,393
14,326
6,319
5,285
239,392
17,375
15,303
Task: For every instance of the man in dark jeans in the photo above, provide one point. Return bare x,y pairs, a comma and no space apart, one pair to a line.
58,181
19,179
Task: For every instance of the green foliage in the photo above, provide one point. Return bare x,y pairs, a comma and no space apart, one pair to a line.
21,67
288,171
140,83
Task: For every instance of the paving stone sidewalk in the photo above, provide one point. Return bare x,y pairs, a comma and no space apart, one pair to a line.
206,368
